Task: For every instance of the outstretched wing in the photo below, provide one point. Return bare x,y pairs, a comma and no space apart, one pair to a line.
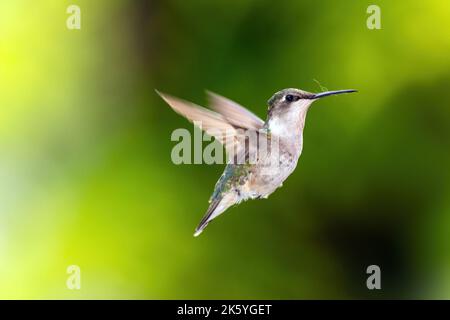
234,113
228,126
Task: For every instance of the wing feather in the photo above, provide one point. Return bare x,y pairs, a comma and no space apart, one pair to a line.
234,112
228,127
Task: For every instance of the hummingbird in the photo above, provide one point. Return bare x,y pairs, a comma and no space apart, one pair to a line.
231,123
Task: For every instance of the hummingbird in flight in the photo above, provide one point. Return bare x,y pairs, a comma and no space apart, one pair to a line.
250,173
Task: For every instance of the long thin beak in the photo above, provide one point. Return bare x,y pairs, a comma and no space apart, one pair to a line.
329,93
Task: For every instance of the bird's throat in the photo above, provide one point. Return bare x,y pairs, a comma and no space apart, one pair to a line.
289,124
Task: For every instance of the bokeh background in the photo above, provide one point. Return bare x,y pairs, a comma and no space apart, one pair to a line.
86,176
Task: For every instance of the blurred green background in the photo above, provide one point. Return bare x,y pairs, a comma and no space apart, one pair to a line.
86,176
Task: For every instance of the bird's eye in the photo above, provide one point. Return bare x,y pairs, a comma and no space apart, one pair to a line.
291,98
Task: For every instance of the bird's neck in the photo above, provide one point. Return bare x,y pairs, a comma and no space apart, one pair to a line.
288,129
289,124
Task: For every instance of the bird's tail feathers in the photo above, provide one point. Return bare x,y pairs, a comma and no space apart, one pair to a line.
211,213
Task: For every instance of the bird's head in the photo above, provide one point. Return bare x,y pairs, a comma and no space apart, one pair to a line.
286,101
288,108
